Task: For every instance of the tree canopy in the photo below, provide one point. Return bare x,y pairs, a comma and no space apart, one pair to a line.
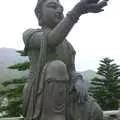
106,89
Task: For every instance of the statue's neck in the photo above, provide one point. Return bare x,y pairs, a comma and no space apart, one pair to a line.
45,28
48,27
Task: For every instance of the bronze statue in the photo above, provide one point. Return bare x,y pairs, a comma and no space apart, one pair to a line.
48,43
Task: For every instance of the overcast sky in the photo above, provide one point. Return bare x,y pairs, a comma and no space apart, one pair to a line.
94,37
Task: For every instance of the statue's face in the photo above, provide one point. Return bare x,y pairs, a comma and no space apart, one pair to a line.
52,13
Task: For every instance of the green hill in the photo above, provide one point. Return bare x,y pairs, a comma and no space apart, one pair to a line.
89,74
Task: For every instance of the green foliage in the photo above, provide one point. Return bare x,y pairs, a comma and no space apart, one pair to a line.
13,92
22,53
106,89
20,66
14,81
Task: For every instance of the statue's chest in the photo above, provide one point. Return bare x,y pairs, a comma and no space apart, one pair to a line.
61,52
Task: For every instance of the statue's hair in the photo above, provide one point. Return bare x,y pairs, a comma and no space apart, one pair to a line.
38,10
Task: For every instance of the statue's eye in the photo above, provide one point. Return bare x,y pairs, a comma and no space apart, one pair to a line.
52,5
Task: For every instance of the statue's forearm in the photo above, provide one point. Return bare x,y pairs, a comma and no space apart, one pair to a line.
58,34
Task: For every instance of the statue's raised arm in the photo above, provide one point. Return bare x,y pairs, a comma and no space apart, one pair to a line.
52,16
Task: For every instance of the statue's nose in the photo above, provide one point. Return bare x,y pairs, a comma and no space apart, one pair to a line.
60,10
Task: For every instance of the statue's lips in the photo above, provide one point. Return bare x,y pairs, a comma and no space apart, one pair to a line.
59,15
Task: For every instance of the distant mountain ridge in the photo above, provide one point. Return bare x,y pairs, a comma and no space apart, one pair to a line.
9,56
89,74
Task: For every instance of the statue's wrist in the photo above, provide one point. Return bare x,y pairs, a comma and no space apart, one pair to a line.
73,16
77,11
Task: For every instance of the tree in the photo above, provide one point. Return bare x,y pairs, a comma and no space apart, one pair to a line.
106,89
13,91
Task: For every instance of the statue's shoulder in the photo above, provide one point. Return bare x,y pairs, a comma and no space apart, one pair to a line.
28,33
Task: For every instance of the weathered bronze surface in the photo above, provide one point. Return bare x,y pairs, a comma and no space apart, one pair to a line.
48,44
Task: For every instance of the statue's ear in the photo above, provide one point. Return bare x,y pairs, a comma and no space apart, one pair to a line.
40,22
40,19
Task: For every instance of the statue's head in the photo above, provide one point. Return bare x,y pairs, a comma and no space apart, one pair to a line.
56,71
49,12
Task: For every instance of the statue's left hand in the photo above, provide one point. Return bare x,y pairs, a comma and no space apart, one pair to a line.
82,90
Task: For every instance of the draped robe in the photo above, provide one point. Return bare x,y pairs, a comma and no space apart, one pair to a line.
39,55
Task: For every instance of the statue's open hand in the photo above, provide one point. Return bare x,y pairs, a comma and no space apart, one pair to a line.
82,90
93,7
